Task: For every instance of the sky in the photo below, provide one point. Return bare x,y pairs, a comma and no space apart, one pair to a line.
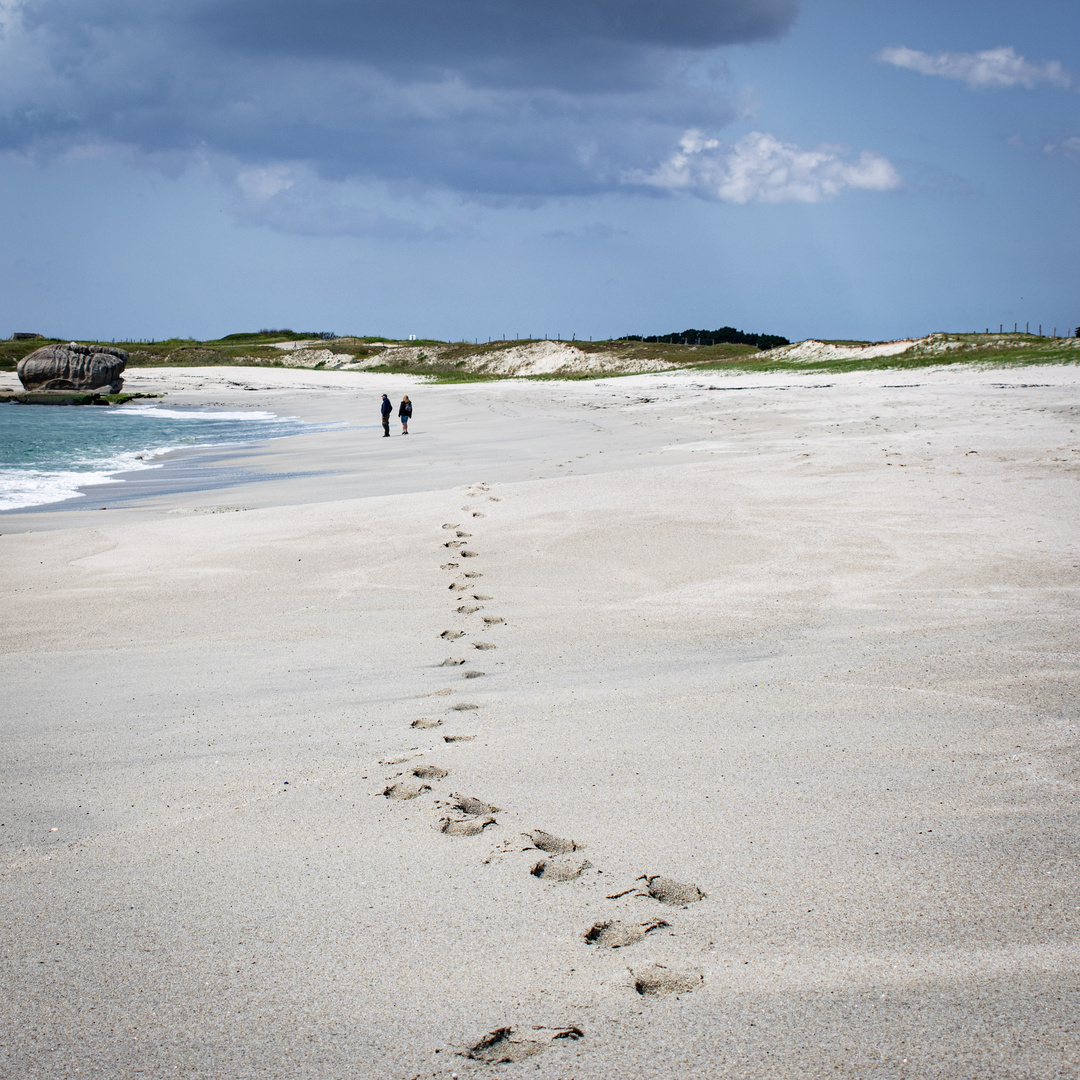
474,169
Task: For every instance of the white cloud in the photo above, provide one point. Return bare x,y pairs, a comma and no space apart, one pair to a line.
761,168
1067,148
990,69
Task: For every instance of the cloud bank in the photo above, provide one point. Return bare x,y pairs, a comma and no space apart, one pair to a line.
485,98
991,69
761,168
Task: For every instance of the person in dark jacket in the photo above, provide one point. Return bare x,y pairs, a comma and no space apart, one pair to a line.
404,413
387,409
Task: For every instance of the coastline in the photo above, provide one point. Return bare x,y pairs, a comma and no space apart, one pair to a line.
806,643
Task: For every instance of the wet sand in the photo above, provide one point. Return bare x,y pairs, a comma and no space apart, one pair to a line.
803,644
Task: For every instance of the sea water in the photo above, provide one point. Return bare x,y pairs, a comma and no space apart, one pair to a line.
49,452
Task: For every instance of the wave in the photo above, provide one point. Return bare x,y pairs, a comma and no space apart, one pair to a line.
23,488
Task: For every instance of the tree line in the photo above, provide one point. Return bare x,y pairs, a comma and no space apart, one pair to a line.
726,335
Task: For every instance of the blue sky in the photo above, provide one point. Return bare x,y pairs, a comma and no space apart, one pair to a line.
468,168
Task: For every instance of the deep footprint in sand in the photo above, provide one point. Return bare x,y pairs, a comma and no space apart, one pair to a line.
450,635
465,826
473,574
477,596
617,935
405,791
672,892
460,533
472,674
455,544
476,513
469,554
457,586
657,979
430,772
468,805
553,845
451,662
449,526
458,738
469,609
484,645
425,722
449,566
462,706
503,1047
493,620
560,868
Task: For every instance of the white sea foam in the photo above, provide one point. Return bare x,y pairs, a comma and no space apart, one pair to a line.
196,414
23,488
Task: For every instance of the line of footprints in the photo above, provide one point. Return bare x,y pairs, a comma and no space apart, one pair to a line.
559,859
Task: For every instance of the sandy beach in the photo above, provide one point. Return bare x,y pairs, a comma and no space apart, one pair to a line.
791,660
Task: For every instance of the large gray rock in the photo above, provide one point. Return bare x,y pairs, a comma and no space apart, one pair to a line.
74,367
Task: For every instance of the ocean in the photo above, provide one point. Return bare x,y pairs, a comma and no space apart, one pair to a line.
48,452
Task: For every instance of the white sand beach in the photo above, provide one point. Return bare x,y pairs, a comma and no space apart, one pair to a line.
804,644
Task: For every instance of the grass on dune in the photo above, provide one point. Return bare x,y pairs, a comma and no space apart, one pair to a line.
462,362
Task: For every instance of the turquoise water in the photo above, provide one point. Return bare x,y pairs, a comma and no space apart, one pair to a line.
47,453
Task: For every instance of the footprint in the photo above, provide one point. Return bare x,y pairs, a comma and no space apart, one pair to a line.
473,574
469,554
560,868
425,722
476,513
465,826
457,586
484,645
430,772
468,805
405,791
500,1047
459,533
657,979
450,635
493,620
451,662
455,544
615,935
672,892
477,596
454,526
458,738
461,706
491,498
553,845
472,674
468,609
449,566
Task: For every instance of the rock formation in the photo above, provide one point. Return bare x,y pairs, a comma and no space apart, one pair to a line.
74,367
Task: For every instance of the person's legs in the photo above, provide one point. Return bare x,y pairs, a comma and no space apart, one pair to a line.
386,427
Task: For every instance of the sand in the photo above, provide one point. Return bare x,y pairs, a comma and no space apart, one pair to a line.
804,645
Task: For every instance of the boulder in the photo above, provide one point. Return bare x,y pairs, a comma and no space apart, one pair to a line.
74,367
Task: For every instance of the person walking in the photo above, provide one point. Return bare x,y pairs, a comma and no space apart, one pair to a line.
387,409
404,414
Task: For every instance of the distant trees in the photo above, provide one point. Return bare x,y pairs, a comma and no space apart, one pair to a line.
726,335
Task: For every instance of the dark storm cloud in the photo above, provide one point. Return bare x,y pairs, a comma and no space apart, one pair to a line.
488,98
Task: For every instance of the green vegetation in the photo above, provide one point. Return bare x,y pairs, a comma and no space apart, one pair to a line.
455,362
